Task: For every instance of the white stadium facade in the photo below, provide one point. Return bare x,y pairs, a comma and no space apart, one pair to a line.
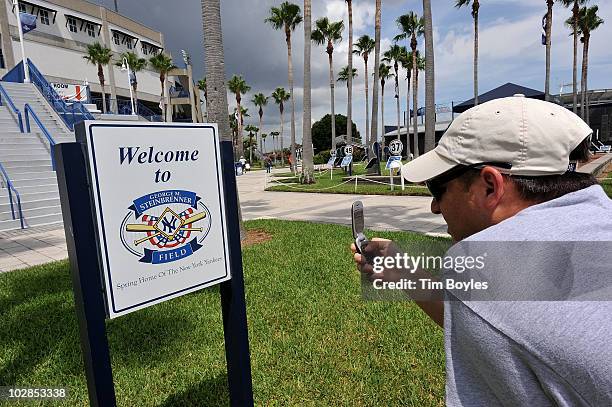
63,30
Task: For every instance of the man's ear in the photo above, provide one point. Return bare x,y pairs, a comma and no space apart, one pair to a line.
492,187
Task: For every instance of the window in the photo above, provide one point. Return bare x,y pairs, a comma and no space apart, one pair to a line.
91,30
128,43
22,8
44,17
116,38
72,24
2,66
145,49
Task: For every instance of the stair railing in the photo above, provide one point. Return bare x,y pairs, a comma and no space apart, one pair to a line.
12,106
29,112
11,190
70,114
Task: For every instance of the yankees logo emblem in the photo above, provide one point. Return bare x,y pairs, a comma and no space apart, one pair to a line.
175,224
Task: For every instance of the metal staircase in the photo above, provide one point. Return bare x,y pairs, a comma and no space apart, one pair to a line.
26,159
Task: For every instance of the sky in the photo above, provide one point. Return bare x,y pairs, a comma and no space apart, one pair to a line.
510,49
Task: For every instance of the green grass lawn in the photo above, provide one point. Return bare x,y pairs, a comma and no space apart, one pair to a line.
337,186
358,169
313,340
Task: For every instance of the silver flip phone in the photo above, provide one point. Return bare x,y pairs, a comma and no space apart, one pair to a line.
358,225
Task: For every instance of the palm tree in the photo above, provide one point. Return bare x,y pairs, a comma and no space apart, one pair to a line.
377,26
406,63
411,26
215,70
280,96
329,33
573,23
475,8
349,78
364,46
395,55
203,88
136,64
162,64
430,94
233,123
343,75
238,86
287,17
307,149
588,21
260,100
384,73
274,135
251,129
262,141
549,16
99,55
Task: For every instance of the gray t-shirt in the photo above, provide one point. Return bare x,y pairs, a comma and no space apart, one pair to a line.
536,353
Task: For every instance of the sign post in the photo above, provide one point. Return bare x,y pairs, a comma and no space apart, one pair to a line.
330,164
150,213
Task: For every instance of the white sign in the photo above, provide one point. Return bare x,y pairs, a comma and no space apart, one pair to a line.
395,161
348,150
346,161
160,211
396,147
75,93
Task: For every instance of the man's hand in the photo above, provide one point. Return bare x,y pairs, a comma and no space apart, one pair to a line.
430,302
375,248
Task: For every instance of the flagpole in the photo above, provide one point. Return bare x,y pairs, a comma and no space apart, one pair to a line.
26,70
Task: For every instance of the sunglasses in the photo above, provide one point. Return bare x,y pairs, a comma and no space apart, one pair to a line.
437,185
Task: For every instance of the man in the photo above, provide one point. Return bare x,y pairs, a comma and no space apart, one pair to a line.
500,174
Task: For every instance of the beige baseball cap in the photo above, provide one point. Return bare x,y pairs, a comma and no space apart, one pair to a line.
536,137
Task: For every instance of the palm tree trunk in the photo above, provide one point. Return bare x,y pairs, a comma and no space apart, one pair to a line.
583,80
215,71
260,122
101,79
382,114
397,100
135,88
307,150
575,12
333,103
290,73
282,152
407,117
548,41
475,9
377,23
587,119
415,103
349,83
162,79
367,106
430,103
239,144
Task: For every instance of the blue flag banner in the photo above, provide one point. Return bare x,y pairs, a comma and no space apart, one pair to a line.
28,22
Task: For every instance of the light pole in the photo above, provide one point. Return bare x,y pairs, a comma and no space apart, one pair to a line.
126,67
26,69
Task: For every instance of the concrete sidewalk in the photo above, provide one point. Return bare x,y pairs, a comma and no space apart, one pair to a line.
30,247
